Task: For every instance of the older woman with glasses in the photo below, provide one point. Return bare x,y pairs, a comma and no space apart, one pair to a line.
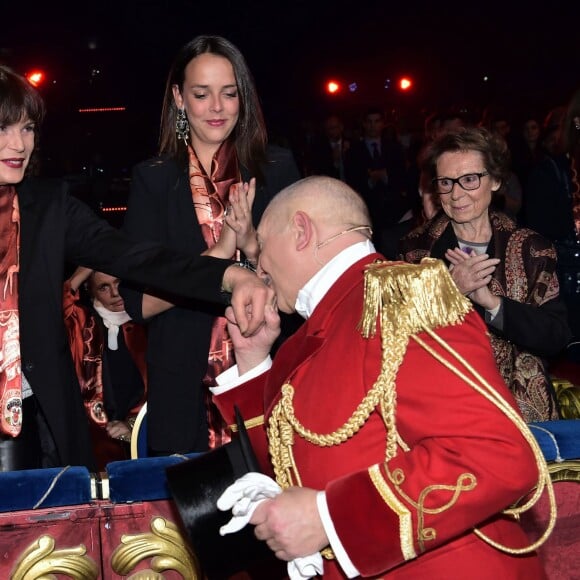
506,271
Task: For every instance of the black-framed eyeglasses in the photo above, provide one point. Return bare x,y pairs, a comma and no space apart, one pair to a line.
469,181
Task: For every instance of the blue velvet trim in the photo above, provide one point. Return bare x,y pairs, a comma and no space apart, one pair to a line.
141,479
563,440
23,490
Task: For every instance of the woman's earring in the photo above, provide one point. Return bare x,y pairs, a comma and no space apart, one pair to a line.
181,125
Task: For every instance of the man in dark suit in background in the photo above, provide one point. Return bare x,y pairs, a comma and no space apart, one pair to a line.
375,168
329,149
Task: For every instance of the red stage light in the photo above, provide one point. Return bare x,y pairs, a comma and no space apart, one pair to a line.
405,84
333,87
35,77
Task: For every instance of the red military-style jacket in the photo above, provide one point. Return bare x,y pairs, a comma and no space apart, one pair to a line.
461,462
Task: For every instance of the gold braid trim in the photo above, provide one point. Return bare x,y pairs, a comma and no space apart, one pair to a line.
249,424
544,480
399,508
283,423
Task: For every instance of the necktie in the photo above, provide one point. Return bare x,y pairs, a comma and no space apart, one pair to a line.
376,152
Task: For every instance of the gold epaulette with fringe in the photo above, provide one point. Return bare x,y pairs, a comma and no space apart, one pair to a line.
412,297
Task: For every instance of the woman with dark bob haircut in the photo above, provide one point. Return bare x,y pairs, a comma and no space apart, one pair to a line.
508,272
42,228
213,138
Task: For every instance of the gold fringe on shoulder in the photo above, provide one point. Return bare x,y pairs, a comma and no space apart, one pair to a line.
411,296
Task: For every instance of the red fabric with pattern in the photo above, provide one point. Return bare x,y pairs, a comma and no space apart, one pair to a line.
210,197
10,373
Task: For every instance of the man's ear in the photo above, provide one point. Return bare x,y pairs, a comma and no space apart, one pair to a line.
304,230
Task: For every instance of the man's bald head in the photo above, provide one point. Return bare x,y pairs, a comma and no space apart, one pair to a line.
304,227
324,199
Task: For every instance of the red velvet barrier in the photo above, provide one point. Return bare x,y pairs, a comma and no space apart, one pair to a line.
133,535
100,540
561,552
36,543
107,541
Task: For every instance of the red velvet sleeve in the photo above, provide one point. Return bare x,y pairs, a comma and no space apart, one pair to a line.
249,399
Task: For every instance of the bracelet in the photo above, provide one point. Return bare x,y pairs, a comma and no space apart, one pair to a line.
246,264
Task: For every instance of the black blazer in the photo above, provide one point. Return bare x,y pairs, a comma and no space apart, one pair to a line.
387,202
56,229
161,208
321,158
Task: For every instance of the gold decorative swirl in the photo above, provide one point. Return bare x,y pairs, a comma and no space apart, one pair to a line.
41,560
465,482
164,545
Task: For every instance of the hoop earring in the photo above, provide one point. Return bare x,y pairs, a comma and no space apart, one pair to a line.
182,125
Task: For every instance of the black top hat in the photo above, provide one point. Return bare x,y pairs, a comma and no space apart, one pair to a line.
196,485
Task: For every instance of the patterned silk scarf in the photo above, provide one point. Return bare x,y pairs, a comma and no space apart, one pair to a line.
86,345
210,197
10,371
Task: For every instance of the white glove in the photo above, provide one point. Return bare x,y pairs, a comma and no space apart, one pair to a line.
305,567
243,497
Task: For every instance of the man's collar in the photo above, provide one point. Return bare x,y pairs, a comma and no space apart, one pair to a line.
316,288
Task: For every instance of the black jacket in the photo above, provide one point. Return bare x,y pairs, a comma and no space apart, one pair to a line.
161,208
56,229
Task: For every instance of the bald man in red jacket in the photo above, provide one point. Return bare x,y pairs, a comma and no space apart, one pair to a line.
395,459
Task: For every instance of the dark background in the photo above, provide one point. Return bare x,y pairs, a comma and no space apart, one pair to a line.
529,52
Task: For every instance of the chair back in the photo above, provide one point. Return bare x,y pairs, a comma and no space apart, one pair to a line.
139,435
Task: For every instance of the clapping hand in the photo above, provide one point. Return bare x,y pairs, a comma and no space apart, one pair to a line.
472,274
238,217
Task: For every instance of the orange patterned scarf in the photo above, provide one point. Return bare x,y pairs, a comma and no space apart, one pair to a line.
10,372
86,344
210,197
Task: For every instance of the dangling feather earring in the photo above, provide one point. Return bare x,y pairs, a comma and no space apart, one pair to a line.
182,126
